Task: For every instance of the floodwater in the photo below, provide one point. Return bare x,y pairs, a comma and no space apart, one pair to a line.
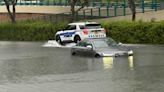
30,67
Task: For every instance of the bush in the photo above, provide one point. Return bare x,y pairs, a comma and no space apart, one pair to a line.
136,32
122,31
29,30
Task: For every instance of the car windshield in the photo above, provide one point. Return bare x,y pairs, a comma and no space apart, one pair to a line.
111,42
100,43
104,43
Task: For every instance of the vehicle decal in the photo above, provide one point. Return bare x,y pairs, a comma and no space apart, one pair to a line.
67,33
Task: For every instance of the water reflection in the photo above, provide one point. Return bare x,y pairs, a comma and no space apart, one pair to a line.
118,62
108,62
131,62
104,63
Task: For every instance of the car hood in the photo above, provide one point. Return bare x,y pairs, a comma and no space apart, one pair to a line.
113,51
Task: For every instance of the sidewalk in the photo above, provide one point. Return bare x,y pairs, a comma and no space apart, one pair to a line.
147,16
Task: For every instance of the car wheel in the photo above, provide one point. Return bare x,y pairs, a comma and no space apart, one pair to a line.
97,55
58,39
73,53
77,39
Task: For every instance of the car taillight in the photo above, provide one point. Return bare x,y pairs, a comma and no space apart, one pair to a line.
85,31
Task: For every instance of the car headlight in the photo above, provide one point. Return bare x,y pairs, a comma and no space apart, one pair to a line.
105,54
130,52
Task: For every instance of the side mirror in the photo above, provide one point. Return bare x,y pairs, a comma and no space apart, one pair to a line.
119,43
89,46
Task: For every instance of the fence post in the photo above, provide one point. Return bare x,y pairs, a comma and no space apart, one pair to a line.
84,13
108,3
93,4
20,2
155,5
115,8
143,6
41,2
100,3
25,2
124,8
99,12
91,13
107,9
152,4
31,2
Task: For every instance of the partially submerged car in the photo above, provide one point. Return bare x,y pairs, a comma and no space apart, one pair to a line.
100,48
76,32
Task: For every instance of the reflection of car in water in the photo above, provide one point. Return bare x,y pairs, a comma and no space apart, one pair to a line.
75,32
100,47
118,62
114,63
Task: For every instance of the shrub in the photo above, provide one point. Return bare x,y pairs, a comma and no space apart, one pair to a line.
121,31
136,32
29,30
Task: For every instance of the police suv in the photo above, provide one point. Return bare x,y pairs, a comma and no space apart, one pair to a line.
75,32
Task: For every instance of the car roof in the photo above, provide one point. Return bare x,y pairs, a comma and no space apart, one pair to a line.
82,23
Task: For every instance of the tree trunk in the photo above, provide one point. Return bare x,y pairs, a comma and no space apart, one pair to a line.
12,14
73,13
133,16
132,7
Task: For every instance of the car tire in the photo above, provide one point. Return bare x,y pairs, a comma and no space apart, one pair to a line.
73,53
77,39
58,39
97,56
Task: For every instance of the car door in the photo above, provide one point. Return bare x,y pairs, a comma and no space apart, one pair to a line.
68,33
88,51
83,49
79,48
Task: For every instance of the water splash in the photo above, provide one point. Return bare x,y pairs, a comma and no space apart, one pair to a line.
53,43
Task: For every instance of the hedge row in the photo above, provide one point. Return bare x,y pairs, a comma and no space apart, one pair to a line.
136,32
122,31
29,30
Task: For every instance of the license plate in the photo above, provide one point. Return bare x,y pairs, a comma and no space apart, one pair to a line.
96,32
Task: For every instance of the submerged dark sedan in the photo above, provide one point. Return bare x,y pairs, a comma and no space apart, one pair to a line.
100,47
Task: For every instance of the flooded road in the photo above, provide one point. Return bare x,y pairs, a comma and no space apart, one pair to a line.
29,67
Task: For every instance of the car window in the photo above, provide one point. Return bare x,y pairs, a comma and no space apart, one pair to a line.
70,27
84,43
82,26
91,26
111,42
100,43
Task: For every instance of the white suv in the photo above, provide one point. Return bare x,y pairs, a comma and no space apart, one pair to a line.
75,32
